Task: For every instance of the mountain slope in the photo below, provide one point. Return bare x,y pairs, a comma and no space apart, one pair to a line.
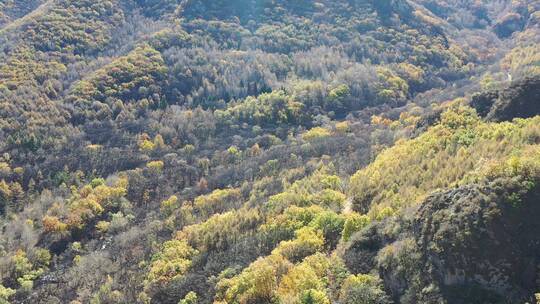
268,151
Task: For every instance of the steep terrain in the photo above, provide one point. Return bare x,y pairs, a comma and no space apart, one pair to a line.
269,151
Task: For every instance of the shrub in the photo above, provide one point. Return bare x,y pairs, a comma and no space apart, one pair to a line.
172,262
363,289
315,134
354,222
307,242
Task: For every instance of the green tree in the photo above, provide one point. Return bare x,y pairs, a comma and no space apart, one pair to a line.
5,294
190,298
313,296
363,289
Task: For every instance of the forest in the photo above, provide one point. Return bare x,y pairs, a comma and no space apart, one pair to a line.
269,151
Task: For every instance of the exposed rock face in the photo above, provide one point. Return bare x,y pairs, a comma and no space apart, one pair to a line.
521,99
362,250
478,243
484,101
479,236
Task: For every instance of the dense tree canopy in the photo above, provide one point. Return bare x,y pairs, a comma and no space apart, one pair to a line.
269,151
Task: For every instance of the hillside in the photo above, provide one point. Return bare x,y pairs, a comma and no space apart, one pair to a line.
269,151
